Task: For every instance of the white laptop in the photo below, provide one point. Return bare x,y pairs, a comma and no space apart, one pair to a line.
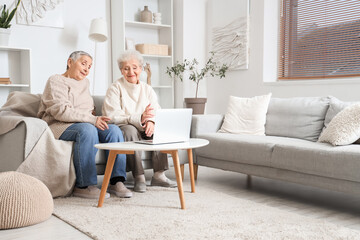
171,126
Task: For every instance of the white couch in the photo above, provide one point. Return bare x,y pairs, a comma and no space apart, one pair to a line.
289,151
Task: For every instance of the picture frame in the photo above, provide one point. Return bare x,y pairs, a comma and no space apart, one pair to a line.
129,44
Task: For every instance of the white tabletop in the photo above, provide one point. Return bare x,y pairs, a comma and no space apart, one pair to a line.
192,143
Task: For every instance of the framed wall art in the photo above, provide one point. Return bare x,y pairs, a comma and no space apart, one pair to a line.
229,32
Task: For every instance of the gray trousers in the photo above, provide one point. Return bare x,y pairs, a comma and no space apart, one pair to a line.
134,161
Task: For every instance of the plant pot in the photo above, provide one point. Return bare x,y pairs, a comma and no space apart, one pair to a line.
197,104
4,36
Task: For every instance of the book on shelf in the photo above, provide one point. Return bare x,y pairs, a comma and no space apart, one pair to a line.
5,81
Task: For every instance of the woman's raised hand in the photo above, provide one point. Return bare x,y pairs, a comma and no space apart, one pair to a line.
147,114
101,122
149,128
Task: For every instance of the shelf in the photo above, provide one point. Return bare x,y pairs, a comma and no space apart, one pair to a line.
15,64
125,23
155,56
7,48
14,85
146,25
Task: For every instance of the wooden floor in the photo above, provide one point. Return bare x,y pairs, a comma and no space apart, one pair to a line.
338,208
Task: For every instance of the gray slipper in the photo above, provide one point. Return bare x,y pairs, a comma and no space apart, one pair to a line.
140,187
161,183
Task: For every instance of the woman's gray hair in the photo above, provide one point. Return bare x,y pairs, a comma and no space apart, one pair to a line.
76,55
130,55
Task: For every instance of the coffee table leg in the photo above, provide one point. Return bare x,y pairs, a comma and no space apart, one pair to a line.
175,157
191,169
108,171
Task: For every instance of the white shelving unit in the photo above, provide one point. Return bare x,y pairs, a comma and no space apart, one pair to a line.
125,23
15,64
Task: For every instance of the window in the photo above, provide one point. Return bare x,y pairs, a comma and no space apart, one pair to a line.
319,39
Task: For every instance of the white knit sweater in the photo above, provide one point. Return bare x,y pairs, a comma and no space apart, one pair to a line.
66,101
125,102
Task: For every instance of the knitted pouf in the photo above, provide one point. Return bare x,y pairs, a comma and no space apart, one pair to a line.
24,200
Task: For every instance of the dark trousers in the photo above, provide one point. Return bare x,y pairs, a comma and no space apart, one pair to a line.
133,161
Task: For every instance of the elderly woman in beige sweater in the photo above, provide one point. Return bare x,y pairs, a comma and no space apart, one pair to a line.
131,104
67,106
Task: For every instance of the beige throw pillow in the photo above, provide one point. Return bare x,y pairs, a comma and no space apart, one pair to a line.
246,115
344,128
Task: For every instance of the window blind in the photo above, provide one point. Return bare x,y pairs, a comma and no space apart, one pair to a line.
319,39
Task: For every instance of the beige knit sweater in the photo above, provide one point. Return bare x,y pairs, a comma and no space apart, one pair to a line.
125,102
66,101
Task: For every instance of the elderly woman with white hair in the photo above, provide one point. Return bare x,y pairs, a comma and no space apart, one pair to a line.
131,104
67,106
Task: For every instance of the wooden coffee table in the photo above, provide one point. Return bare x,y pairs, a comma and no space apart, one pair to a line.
171,148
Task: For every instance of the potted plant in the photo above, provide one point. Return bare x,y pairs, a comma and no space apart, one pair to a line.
211,68
5,20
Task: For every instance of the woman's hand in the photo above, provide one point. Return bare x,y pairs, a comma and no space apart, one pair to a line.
149,128
101,122
147,114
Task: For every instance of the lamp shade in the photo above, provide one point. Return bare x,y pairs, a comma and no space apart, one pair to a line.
98,30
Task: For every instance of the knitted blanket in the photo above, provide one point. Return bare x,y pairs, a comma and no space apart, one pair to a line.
45,158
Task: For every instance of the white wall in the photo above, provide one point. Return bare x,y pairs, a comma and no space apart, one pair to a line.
178,47
50,47
190,42
260,78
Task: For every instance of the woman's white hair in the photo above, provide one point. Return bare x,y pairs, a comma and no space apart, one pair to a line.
76,55
130,55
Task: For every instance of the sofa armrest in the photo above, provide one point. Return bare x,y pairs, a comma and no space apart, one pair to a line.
12,145
209,123
18,136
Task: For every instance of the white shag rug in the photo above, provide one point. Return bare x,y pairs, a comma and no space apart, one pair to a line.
156,214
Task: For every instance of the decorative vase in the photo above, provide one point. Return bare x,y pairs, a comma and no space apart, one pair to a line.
148,73
197,104
4,36
157,18
146,15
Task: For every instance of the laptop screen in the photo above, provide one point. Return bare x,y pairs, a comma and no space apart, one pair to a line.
172,125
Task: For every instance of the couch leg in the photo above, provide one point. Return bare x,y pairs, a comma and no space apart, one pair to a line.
248,181
195,171
182,171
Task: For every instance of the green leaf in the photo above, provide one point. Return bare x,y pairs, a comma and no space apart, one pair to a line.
6,18
211,68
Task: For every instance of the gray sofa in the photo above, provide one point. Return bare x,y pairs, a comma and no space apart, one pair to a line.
12,143
289,151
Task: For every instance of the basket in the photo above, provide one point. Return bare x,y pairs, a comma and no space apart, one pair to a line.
152,49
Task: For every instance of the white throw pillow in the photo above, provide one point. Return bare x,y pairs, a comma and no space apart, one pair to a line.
344,128
246,115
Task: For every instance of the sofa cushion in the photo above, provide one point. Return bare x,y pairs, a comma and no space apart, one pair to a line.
344,128
296,117
246,115
98,101
319,159
335,106
250,149
22,103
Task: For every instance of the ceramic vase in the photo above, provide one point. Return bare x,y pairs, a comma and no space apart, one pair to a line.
146,15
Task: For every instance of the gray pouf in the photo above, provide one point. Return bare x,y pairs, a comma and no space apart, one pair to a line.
24,200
